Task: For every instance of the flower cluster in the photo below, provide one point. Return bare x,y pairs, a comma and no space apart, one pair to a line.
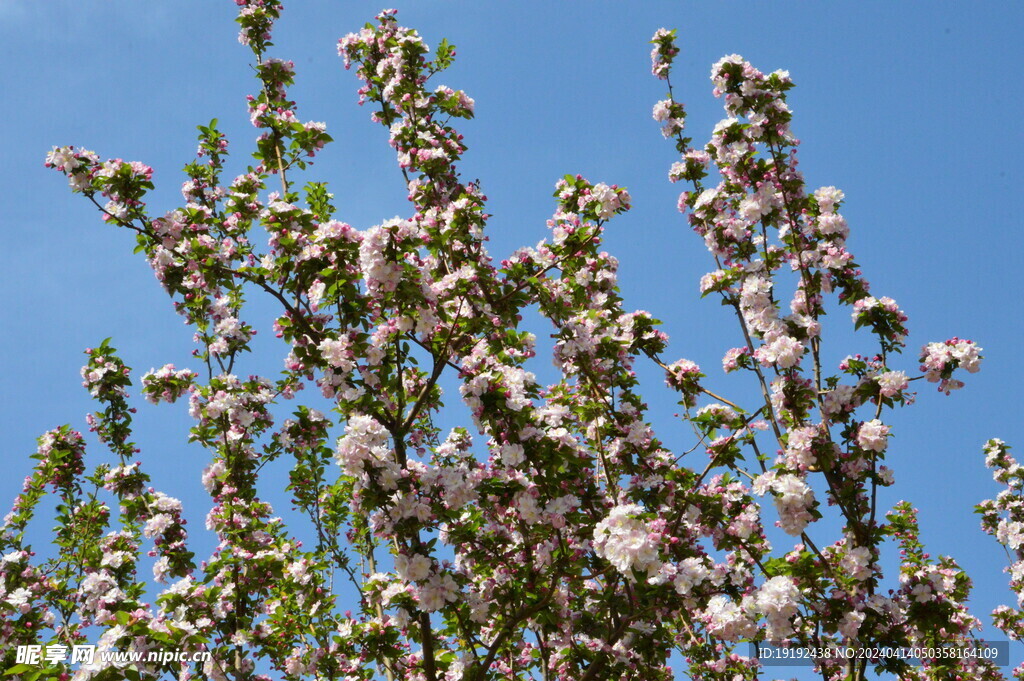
626,541
940,360
123,183
167,384
1003,518
684,376
663,52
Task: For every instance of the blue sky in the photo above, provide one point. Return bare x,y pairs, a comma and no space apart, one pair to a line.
908,108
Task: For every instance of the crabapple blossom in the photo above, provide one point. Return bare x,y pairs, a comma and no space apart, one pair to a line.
891,383
560,535
939,360
873,436
727,620
625,541
778,600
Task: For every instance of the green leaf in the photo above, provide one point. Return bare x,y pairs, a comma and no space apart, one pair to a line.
18,669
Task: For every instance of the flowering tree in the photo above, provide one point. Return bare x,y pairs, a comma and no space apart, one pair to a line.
558,540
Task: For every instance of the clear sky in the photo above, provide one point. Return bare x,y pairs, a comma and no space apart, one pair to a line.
907,107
